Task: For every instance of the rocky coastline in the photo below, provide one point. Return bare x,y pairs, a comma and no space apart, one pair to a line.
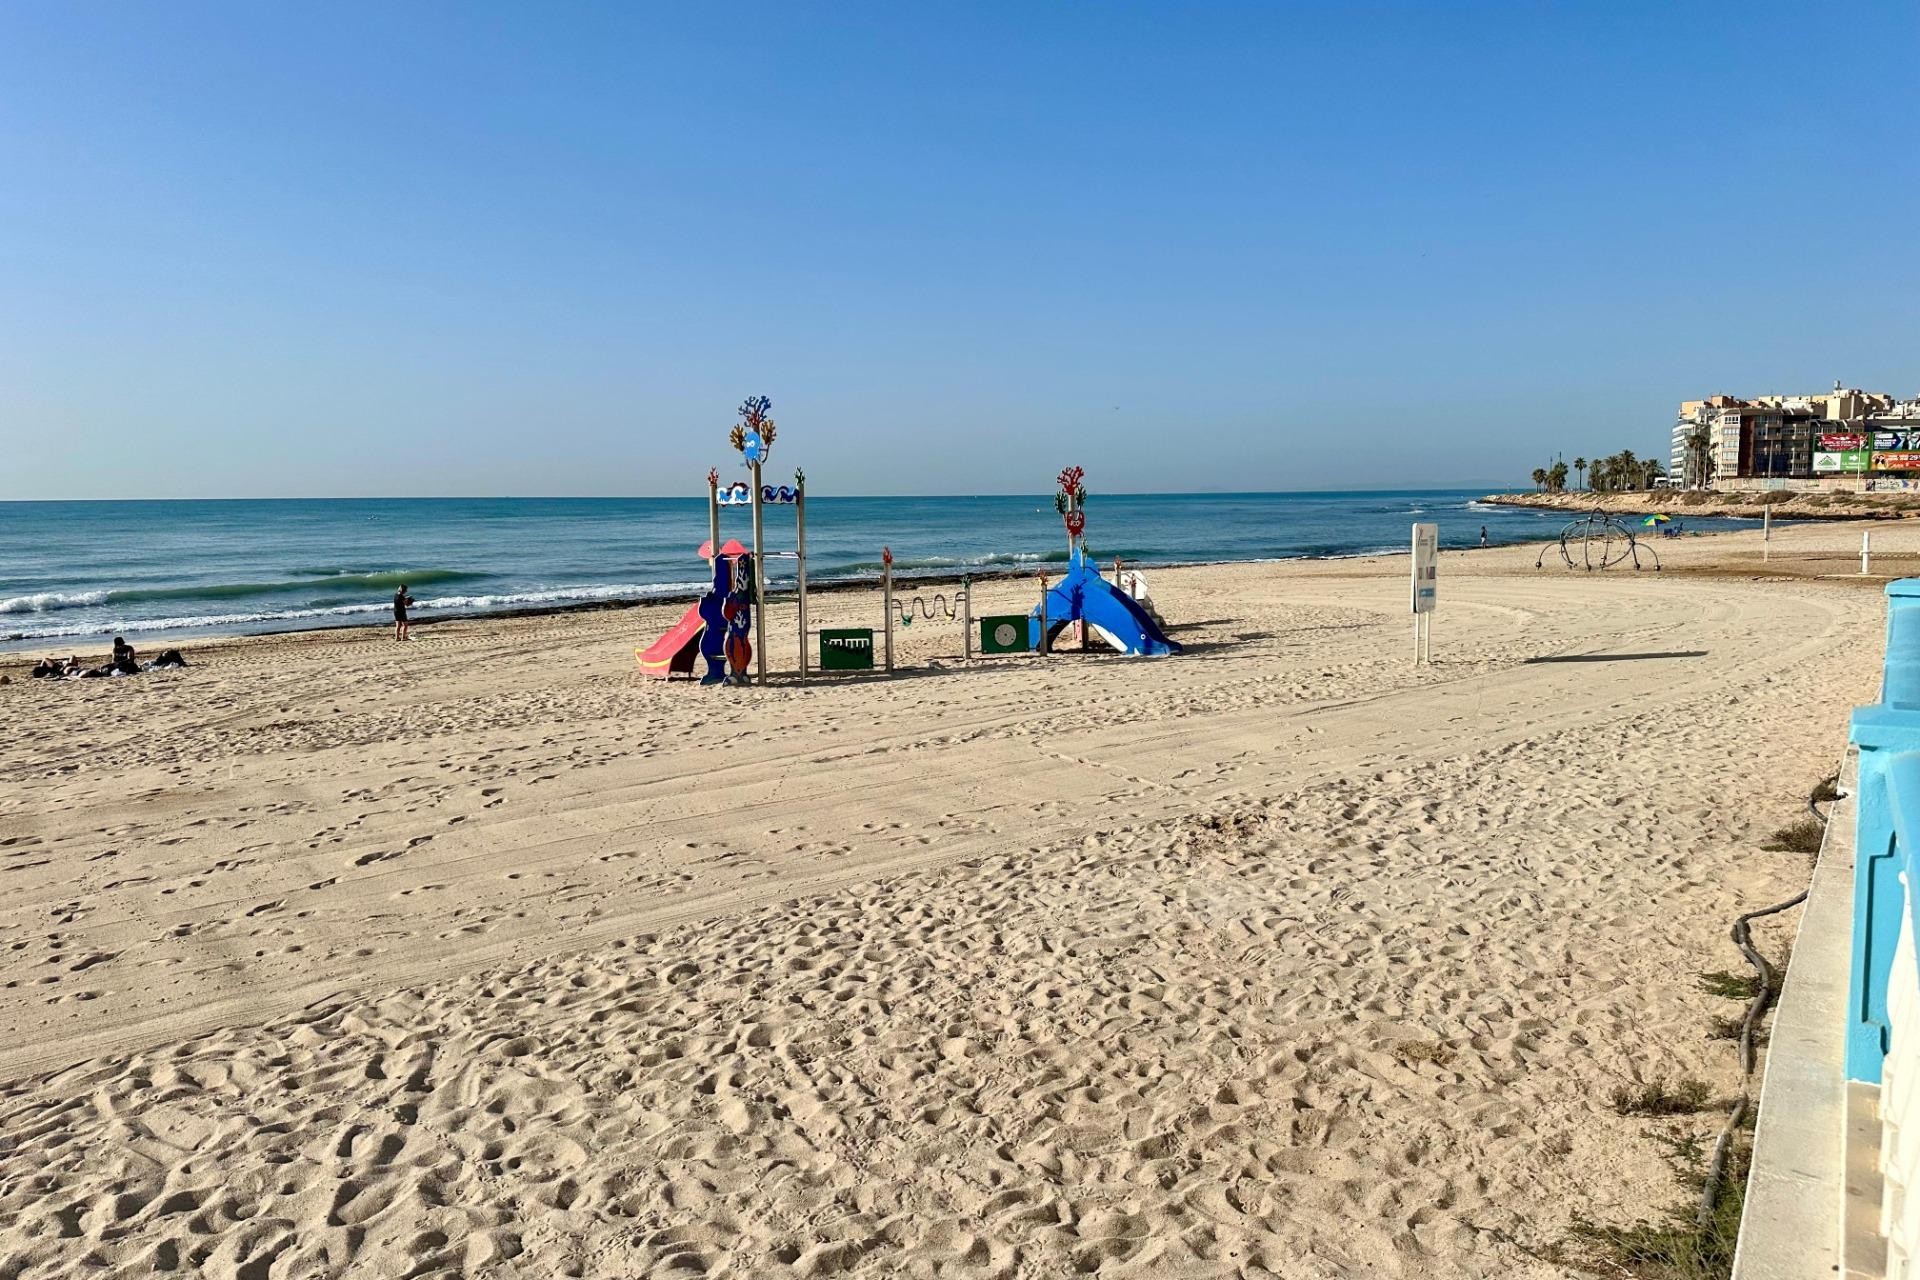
1785,504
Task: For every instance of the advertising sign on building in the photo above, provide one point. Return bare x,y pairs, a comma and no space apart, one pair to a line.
1845,443
1426,566
1896,460
1848,460
1895,441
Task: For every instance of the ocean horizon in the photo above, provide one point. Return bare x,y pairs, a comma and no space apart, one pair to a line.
84,569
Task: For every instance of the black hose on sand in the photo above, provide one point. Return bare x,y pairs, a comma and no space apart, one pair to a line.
1742,934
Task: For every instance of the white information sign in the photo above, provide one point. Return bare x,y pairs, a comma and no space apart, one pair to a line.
1426,589
1426,566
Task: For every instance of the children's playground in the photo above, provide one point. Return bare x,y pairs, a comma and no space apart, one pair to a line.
722,637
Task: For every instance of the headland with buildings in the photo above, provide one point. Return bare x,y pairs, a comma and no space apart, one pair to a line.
1839,454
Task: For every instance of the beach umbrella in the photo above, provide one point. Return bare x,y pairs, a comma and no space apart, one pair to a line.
1657,518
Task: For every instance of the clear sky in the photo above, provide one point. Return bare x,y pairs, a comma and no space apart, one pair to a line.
343,249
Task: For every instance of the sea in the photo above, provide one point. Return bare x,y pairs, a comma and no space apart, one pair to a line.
88,570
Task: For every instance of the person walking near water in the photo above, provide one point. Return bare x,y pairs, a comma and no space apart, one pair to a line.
401,600
1483,535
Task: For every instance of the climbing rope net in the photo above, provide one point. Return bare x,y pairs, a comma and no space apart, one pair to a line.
1599,541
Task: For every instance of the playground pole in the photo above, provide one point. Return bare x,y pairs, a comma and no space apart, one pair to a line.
1766,530
713,519
1074,545
1044,646
966,619
800,541
886,601
759,590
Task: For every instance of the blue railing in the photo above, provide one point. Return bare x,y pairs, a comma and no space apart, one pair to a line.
1886,868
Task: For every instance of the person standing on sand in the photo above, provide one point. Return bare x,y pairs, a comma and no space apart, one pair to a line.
400,602
1483,535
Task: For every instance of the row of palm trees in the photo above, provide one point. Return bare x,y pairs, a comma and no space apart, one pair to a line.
1612,474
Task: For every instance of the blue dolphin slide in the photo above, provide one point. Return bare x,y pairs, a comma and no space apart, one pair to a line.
1084,596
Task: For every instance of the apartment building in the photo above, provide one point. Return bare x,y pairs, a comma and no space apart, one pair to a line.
1846,438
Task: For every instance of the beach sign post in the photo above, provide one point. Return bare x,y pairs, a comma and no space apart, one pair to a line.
1426,583
753,437
1071,502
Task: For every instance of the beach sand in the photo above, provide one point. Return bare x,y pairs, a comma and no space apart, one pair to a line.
483,955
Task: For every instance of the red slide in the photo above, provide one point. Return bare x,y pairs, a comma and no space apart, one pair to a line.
674,653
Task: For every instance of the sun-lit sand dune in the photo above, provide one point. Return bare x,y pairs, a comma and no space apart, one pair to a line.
483,955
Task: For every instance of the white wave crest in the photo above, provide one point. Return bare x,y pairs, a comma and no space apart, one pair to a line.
192,623
48,601
564,595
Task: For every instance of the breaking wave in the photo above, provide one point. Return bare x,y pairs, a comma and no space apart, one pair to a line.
256,618
48,601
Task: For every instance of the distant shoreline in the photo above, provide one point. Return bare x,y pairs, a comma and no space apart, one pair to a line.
569,565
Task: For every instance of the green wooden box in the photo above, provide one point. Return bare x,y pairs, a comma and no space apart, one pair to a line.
847,649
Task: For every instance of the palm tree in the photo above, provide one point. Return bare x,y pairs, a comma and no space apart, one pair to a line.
1539,478
1699,447
1580,472
1629,469
1557,477
1654,471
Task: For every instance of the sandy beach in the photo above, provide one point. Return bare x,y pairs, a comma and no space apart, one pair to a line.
483,955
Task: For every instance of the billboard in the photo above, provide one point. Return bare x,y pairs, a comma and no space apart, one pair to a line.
1896,441
1828,462
1842,443
1896,460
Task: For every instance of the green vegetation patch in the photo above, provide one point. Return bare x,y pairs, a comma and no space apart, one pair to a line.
1680,1247
1732,986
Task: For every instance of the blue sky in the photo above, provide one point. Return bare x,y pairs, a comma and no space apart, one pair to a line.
305,249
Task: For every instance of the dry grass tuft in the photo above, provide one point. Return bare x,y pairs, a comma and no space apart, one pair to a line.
1416,1051
1656,1098
1803,836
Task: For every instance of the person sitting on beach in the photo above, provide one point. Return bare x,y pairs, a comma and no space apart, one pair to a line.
401,602
123,662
